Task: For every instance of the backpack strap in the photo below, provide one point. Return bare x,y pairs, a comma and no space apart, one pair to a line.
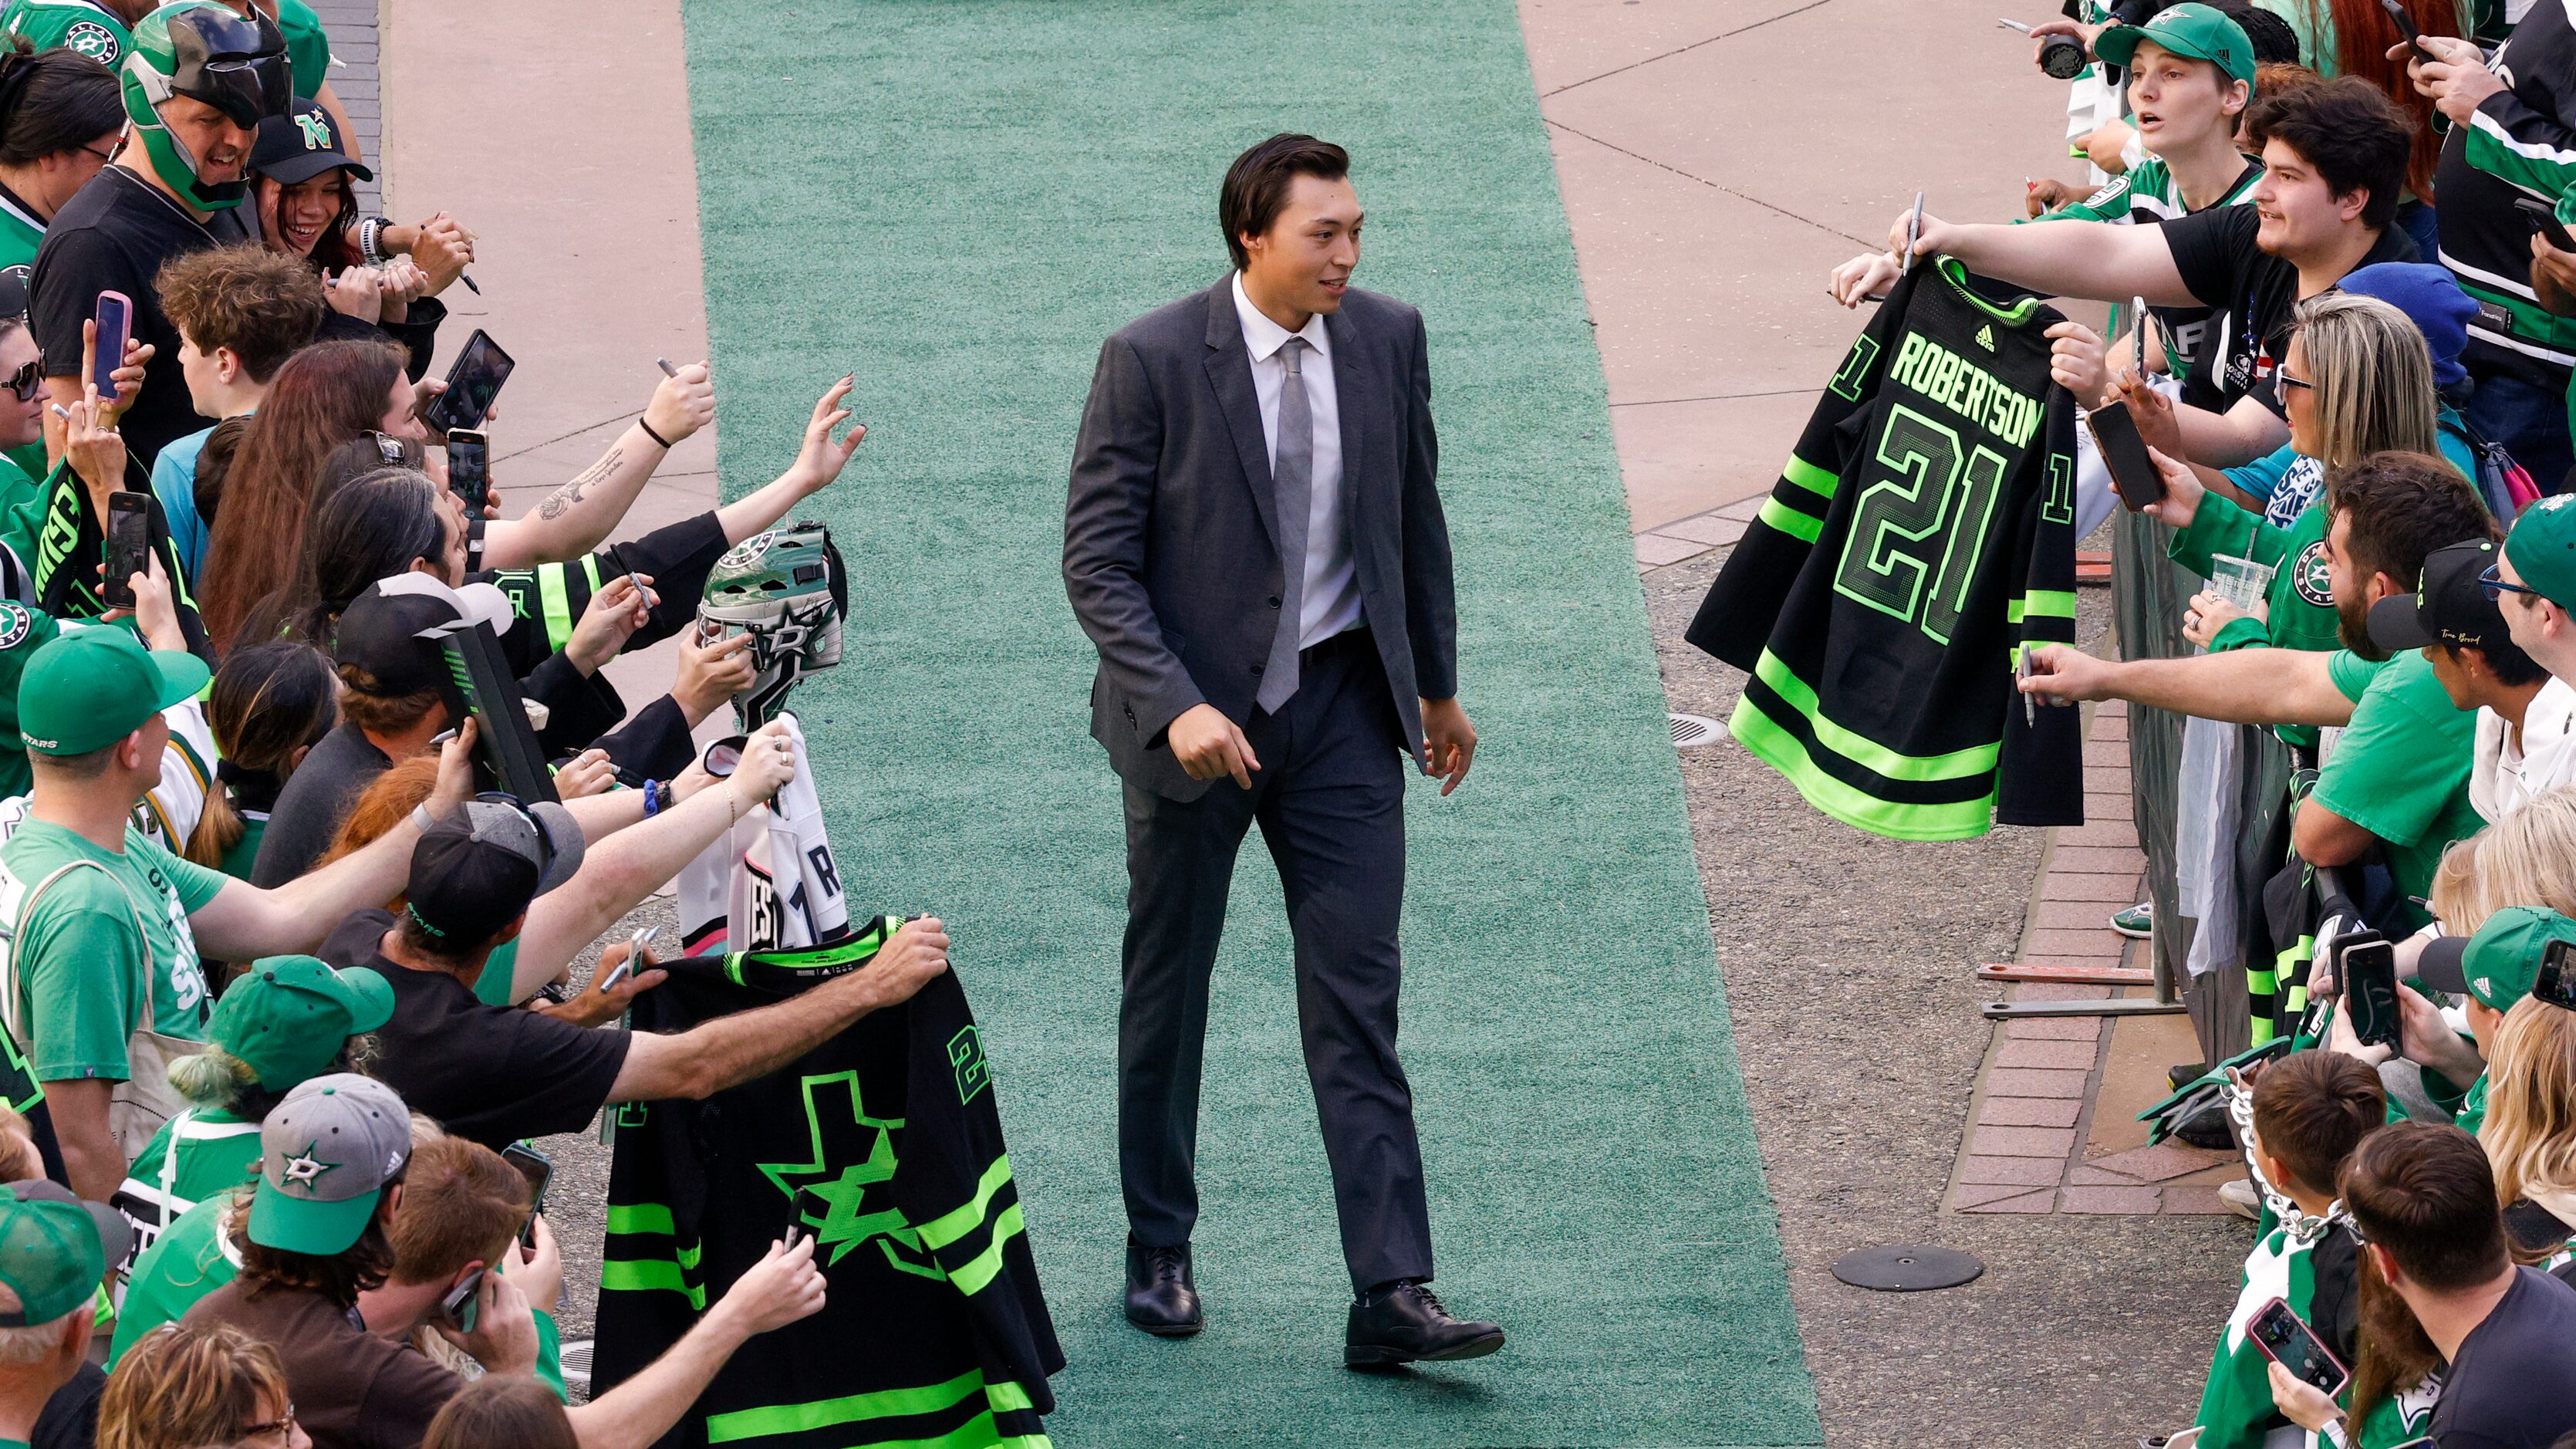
12,930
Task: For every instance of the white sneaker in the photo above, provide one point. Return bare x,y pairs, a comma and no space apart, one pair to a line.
2242,1199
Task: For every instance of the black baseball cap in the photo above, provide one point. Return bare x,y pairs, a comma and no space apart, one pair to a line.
380,632
475,870
302,144
2449,607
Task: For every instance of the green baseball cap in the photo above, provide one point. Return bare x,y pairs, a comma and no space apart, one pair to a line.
90,688
2195,31
325,1155
287,1017
55,1249
2498,964
2542,548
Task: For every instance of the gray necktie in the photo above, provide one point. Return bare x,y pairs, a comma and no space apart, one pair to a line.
1292,477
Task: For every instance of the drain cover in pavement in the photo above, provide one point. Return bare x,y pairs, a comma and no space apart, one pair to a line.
1694,729
1905,1269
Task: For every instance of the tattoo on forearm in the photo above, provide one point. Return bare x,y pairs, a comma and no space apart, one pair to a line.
561,501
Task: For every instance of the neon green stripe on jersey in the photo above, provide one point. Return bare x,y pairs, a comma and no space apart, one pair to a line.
1808,476
2040,604
649,1274
1870,755
1790,521
1781,750
641,1217
804,1418
950,1226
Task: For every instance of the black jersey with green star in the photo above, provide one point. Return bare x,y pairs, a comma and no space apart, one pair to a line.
1921,534
885,1147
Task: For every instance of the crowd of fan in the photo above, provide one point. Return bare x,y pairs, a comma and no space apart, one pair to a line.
2358,342
277,982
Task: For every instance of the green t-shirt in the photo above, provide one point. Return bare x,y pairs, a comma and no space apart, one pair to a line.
183,1265
79,961
2401,770
216,1151
73,24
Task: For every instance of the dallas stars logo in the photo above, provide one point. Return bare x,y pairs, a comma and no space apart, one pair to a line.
93,40
851,1170
304,1170
2311,577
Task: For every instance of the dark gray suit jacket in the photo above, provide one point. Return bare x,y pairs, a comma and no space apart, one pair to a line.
1171,556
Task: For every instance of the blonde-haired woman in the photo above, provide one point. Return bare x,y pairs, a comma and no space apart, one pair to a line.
184,1387
2530,1128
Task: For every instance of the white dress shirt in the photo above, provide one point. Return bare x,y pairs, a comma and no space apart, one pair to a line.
1332,588
2506,773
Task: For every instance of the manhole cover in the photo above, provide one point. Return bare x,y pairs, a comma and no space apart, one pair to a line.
1694,729
1904,1268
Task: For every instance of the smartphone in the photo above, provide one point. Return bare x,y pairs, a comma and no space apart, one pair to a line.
2133,473
2406,27
2366,970
469,468
2295,1346
2544,220
806,1211
2138,338
2556,983
1913,234
536,1167
471,385
115,325
463,1305
129,517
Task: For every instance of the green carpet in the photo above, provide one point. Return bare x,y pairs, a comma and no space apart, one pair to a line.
961,200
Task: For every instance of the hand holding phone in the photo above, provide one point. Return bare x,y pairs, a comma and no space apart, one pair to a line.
2124,454
2405,24
2366,969
128,547
469,470
2289,1342
115,321
463,1304
472,383
2544,220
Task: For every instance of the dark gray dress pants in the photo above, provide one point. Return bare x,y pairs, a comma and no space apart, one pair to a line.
1330,802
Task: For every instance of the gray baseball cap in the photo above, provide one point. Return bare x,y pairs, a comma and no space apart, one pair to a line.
474,871
325,1155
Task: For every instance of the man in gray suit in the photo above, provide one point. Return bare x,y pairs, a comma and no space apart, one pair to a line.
1253,540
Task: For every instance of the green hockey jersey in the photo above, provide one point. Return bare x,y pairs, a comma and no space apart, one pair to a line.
1920,535
936,1331
2309,1264
2520,142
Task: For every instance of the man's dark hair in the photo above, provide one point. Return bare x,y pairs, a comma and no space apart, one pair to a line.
54,101
2506,661
2311,1109
2352,134
2424,1192
362,1267
1256,185
420,942
2274,41
2403,506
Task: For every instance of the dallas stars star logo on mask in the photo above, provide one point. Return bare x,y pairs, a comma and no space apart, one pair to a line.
851,1174
304,1169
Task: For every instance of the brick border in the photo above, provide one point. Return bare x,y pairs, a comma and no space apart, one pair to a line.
2031,1111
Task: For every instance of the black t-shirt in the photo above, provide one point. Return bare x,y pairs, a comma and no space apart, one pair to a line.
317,797
2513,1384
494,1074
113,235
2253,293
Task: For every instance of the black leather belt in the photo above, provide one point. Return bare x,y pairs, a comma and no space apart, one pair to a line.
1348,639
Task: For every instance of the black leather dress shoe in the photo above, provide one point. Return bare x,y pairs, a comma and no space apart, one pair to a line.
1406,1323
1161,1298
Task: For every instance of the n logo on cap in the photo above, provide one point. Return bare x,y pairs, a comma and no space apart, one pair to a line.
317,132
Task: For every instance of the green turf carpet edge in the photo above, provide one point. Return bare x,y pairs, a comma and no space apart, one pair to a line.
960,201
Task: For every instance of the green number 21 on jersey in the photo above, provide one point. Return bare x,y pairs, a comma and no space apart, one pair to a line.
1920,526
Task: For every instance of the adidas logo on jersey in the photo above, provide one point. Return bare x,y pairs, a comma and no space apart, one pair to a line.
1986,338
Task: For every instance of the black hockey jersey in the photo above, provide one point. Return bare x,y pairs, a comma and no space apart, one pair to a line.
1921,533
935,1330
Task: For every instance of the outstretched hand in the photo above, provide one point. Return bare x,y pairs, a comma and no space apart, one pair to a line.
820,460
